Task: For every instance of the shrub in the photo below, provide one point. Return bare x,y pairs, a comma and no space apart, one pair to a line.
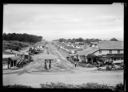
57,85
16,86
14,45
119,87
21,37
86,86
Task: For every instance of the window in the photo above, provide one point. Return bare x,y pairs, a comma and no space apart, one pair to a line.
110,51
118,51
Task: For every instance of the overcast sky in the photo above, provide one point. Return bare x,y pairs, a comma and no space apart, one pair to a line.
54,21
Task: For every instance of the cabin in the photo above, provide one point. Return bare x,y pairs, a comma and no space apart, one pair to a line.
14,59
105,50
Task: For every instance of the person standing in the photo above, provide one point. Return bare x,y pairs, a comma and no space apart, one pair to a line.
75,62
45,65
50,64
11,51
9,62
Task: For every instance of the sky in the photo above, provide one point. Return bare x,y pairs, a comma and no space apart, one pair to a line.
53,21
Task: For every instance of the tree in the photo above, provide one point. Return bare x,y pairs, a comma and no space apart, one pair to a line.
80,40
62,40
113,39
21,37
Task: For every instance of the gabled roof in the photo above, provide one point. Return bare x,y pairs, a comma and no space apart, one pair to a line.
67,47
7,55
87,51
102,45
110,45
70,48
8,51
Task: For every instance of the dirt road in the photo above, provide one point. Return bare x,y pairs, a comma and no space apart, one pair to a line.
34,74
77,77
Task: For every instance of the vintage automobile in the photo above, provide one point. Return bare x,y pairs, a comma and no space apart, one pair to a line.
118,64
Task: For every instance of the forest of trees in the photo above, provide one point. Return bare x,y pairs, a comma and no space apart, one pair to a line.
21,37
83,40
78,40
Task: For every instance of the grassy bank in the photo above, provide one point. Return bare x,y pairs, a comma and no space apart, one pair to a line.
14,45
117,88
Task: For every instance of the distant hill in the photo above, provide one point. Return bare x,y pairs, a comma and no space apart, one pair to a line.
17,41
14,45
21,37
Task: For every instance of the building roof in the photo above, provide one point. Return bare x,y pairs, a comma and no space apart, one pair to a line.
70,48
87,51
8,51
66,47
48,56
110,45
102,45
7,55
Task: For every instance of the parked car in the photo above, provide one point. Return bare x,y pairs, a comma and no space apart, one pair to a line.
118,64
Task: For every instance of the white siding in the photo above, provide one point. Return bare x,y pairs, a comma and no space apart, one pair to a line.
114,52
8,55
121,51
103,52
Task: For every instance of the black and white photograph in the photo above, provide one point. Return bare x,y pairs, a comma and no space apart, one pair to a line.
63,46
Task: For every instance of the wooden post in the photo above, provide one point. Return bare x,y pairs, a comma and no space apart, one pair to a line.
8,63
78,58
15,63
45,65
50,64
92,60
12,62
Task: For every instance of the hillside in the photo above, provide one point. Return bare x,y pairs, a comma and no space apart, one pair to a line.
21,37
14,45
